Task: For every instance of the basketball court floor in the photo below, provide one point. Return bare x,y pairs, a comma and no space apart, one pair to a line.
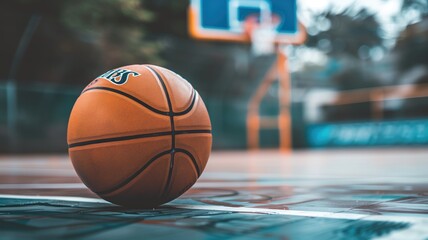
329,194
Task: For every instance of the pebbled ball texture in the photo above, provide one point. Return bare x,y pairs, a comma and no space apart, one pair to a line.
139,136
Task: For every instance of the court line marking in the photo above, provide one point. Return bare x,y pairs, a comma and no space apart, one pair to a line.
333,215
418,229
55,198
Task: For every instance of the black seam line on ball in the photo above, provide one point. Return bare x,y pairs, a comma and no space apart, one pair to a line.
190,106
167,186
130,178
187,110
130,97
198,170
115,139
168,99
131,137
180,132
171,117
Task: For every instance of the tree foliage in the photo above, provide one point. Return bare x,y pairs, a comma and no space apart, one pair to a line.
412,43
78,39
420,6
346,33
412,46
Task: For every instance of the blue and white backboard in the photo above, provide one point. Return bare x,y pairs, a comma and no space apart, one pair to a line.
224,19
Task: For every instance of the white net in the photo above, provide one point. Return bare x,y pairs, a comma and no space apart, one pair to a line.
263,39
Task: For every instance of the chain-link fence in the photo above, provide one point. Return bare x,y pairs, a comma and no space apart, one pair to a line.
40,117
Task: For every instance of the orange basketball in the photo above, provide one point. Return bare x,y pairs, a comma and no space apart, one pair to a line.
139,136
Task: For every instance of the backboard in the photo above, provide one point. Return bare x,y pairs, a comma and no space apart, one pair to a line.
224,19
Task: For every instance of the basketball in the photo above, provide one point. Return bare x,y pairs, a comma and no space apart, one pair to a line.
139,136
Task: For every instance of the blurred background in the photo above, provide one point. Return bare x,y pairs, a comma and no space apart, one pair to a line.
360,80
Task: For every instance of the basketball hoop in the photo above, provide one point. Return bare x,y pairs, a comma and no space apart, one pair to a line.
262,33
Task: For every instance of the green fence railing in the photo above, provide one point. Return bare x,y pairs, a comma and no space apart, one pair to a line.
41,115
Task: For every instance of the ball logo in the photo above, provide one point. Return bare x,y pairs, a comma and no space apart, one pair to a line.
118,76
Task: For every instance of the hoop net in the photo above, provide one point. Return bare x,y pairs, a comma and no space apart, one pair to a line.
262,34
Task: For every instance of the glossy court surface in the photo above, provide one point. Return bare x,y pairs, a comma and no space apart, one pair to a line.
334,194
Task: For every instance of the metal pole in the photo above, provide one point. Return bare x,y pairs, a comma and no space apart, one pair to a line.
253,116
284,98
11,94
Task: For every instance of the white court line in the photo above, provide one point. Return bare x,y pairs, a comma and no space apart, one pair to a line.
333,215
346,216
55,198
417,231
